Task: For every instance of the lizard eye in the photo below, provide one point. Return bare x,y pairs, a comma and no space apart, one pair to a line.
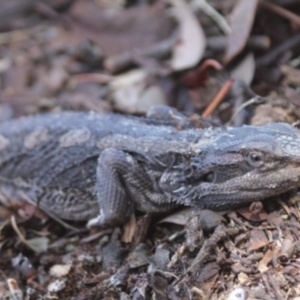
254,159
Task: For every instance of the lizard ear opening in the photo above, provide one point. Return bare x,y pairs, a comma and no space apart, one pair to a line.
208,177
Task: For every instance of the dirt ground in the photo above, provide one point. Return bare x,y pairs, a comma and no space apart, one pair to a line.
225,63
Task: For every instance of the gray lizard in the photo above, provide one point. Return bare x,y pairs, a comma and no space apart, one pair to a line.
103,167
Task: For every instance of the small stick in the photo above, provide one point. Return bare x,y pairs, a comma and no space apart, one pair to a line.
273,54
218,98
218,43
282,12
213,14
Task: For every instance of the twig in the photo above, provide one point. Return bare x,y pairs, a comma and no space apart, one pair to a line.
219,97
281,12
254,100
273,55
218,43
213,14
49,12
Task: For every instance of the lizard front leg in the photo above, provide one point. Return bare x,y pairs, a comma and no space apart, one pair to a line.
123,186
114,203
115,169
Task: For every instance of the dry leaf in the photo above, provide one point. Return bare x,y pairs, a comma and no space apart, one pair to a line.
60,270
129,230
237,294
127,89
179,217
15,291
254,217
132,94
291,75
245,70
191,41
257,240
263,264
139,256
243,278
39,244
151,96
242,19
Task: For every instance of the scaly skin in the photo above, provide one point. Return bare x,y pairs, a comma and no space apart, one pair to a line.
76,165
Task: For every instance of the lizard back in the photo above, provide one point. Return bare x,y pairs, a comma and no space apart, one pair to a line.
53,157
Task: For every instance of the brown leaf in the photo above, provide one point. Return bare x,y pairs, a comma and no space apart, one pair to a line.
257,240
249,215
242,19
208,277
262,265
192,41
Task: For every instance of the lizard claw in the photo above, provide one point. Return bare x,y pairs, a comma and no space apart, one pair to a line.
104,220
95,222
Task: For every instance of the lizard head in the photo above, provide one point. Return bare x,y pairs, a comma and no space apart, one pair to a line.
241,165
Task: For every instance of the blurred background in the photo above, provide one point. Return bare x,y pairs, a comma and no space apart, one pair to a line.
234,61
229,62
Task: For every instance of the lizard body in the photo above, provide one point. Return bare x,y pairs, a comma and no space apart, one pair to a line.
101,167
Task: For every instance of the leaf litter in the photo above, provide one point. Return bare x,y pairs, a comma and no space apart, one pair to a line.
127,56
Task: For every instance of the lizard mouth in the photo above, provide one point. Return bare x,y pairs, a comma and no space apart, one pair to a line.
225,201
222,200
